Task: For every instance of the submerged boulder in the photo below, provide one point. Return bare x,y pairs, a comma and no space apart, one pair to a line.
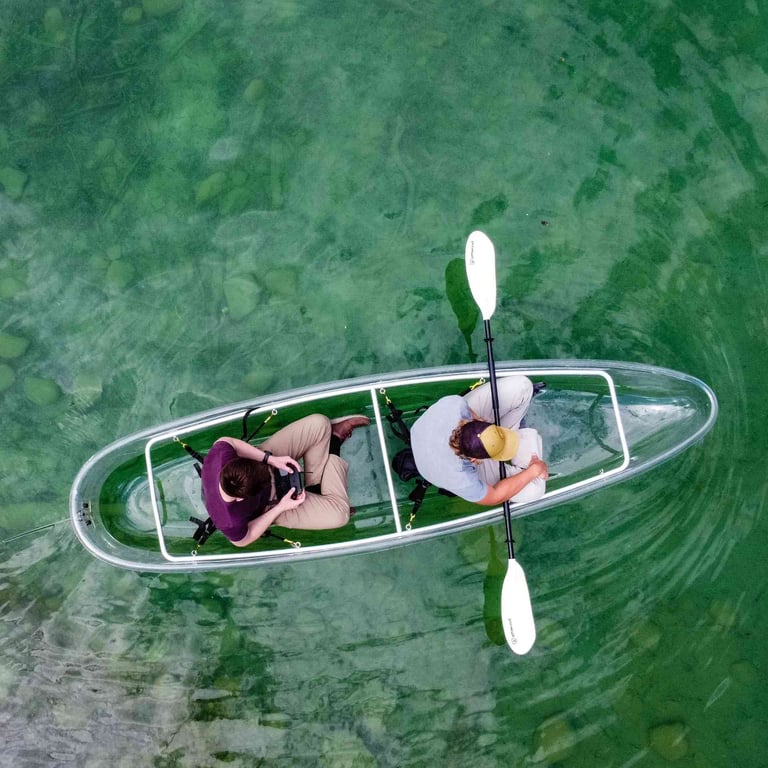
259,380
53,24
120,274
13,181
669,740
553,740
723,614
12,346
242,295
254,91
41,391
87,389
744,671
10,286
646,635
210,188
132,15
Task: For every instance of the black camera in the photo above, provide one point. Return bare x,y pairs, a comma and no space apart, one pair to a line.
285,481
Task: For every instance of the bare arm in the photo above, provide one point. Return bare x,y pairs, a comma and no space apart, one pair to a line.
248,451
258,526
510,486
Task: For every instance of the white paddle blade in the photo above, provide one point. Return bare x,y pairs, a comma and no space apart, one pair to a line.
480,260
516,610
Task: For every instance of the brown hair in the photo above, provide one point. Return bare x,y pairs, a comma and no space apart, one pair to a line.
465,439
242,478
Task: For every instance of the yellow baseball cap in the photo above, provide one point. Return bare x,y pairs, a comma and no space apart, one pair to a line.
481,440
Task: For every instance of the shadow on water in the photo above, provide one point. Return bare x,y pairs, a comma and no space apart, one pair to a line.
462,303
492,584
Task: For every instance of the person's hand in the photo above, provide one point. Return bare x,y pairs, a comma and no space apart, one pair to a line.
288,502
286,463
540,468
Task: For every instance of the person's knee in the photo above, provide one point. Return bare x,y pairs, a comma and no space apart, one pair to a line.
338,515
518,389
316,426
342,519
319,421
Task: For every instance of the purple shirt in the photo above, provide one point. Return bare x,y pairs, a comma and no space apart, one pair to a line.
230,517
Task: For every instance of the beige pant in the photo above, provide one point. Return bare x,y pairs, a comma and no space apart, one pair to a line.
308,440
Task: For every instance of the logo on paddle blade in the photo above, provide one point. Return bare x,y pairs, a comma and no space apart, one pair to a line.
512,637
471,255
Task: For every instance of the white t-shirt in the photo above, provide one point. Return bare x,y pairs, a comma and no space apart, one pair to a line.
435,458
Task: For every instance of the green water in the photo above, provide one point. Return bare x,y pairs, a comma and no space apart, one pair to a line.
207,200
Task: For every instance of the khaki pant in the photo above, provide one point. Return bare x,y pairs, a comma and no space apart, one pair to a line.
308,440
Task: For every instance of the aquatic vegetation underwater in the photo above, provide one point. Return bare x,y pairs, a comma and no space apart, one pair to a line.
205,200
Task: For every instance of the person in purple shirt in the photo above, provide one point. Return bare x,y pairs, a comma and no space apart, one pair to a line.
239,485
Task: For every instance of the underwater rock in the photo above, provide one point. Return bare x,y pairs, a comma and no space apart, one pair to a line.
224,149
646,635
7,376
631,708
254,91
242,294
281,282
53,24
132,15
210,188
669,740
744,672
259,381
161,7
10,286
87,389
41,391
120,274
553,740
13,181
723,613
12,346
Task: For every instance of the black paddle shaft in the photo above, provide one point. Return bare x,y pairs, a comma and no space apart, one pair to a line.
497,420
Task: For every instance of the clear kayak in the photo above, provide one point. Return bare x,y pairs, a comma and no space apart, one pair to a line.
601,422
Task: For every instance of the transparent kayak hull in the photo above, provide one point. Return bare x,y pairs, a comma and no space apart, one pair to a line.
601,423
